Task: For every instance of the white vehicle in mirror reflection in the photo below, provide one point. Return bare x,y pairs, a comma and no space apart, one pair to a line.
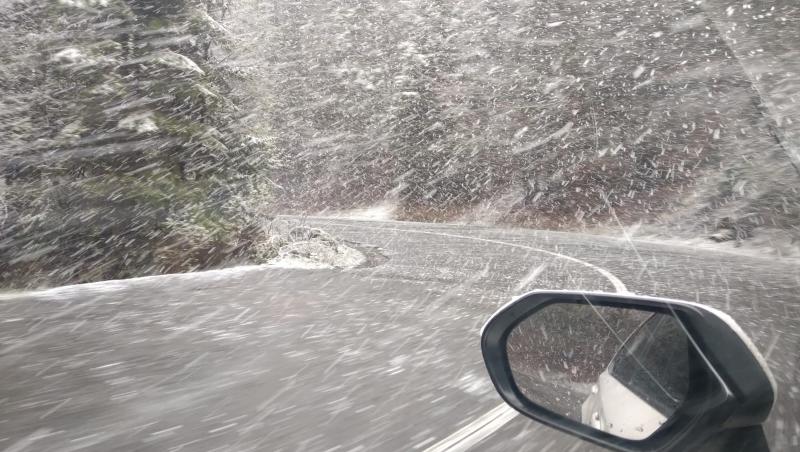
633,397
631,373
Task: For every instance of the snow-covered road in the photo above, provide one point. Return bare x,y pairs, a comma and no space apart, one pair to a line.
381,357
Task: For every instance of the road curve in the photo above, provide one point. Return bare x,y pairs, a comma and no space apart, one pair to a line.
374,358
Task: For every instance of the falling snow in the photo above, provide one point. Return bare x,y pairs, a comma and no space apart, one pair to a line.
280,225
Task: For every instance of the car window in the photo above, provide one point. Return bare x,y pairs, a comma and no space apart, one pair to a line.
380,176
654,363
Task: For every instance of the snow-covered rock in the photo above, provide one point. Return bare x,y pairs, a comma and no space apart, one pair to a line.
141,122
177,61
317,254
70,55
314,248
723,235
84,3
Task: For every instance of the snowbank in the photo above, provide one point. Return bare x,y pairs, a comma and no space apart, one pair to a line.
313,248
379,212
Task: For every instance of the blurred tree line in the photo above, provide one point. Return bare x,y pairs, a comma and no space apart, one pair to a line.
548,113
122,151
146,136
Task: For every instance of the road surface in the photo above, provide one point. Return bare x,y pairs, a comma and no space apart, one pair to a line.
384,357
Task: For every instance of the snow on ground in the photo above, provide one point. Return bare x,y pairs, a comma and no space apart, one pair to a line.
766,244
316,254
380,212
311,248
319,252
298,262
117,285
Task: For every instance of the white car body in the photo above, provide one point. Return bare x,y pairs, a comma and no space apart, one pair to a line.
613,408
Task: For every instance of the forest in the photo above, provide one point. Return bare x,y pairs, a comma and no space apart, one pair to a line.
143,137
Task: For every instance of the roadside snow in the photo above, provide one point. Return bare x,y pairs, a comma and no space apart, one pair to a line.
307,248
118,285
297,263
766,244
379,212
311,248
317,254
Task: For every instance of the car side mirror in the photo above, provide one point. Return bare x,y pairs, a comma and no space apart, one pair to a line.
626,372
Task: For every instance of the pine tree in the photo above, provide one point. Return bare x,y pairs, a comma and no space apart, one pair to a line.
132,163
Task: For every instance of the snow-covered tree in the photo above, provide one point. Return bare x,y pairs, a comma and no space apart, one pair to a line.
127,158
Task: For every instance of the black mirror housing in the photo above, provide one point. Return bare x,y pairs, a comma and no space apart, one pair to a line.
737,390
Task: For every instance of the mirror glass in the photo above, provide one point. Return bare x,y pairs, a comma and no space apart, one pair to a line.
622,371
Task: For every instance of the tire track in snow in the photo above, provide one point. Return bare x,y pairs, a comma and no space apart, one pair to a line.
619,286
484,426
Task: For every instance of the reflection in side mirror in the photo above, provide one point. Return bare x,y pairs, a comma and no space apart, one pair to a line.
629,373
618,370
